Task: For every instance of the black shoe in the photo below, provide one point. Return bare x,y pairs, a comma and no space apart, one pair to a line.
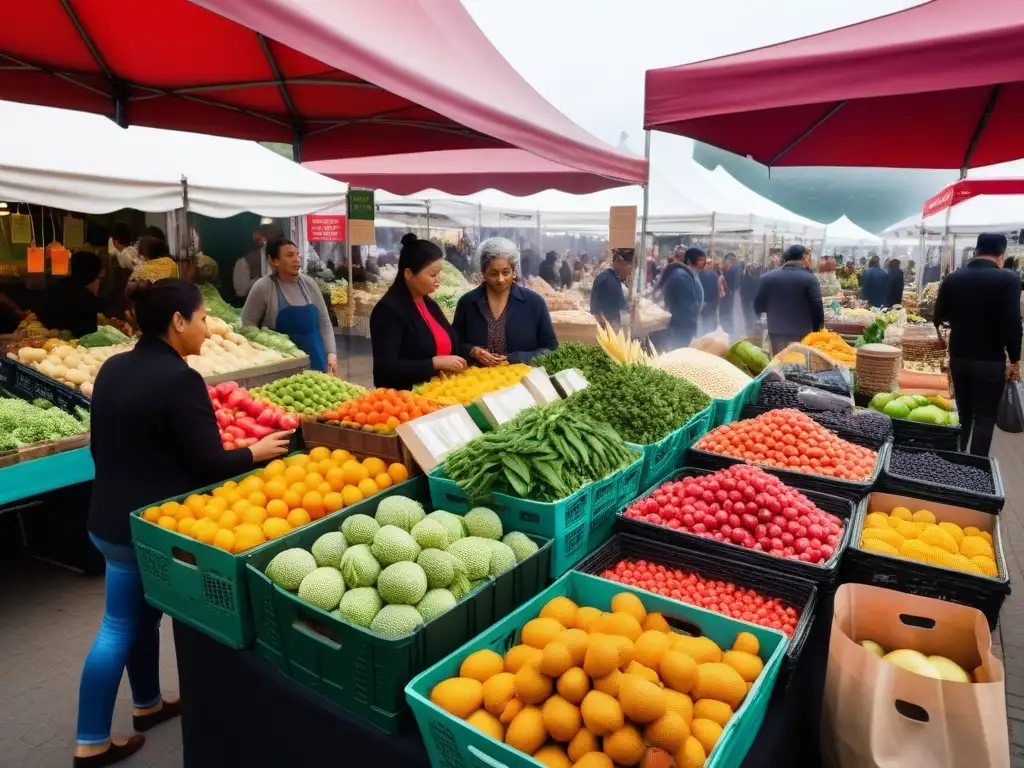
114,754
168,711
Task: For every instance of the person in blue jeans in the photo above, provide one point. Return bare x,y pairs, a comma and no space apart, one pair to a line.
154,436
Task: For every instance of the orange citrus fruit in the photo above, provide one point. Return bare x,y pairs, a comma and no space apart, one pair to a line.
323,488
274,469
332,502
195,502
213,511
183,512
367,487
274,489
383,480
277,508
298,517
292,499
398,472
152,514
185,525
248,536
205,531
168,522
218,493
339,456
313,479
275,528
254,515
323,467
336,477
313,503
241,505
354,472
258,499
294,474
299,488
250,484
224,539
320,453
351,495
231,496
298,460
374,465
170,507
229,519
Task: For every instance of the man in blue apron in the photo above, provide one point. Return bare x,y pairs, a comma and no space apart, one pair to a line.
290,302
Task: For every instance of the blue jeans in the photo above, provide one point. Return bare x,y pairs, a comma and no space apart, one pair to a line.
129,637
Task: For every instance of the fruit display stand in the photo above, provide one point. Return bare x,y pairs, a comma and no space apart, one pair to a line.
35,477
824,574
359,443
353,667
575,525
451,741
662,458
203,585
914,434
262,374
726,411
864,566
930,490
798,593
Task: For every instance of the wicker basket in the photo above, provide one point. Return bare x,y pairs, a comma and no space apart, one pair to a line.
878,370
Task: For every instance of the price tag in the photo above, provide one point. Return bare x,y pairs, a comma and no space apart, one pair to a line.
503,404
570,381
430,438
540,386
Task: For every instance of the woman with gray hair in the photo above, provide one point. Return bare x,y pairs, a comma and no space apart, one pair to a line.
502,321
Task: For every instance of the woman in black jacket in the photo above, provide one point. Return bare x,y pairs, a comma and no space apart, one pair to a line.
154,436
501,321
412,339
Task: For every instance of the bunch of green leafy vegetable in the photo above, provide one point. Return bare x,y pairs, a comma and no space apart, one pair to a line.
216,306
544,454
643,404
271,340
873,334
22,423
104,336
593,362
446,299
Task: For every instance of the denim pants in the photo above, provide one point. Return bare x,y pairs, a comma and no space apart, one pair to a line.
129,637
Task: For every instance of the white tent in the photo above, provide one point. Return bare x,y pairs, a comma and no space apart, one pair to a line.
786,222
85,163
842,233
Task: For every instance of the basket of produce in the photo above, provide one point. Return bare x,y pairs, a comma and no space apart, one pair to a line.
921,421
37,429
467,386
729,386
192,549
793,446
962,479
878,368
766,533
831,380
745,592
861,426
62,375
937,550
748,357
550,472
775,394
462,703
309,393
355,605
832,346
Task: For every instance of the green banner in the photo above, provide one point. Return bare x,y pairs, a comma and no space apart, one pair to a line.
360,204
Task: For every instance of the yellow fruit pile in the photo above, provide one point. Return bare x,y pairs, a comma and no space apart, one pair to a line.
918,536
467,386
286,494
832,345
588,689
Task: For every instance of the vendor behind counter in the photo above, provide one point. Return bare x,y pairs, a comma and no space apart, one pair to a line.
71,304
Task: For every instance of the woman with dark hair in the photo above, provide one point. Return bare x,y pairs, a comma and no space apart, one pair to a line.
291,303
154,436
412,339
70,304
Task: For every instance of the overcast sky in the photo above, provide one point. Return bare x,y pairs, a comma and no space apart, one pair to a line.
601,86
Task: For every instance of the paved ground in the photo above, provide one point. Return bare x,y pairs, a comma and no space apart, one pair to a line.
48,617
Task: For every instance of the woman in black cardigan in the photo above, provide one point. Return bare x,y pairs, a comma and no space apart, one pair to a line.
412,339
501,321
154,436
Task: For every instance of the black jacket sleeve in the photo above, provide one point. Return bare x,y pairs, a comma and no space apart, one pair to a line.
388,364
817,308
460,327
196,434
545,333
761,298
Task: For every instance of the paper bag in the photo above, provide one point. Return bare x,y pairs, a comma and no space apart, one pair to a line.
878,714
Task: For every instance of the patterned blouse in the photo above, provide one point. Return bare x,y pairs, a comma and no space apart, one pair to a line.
497,341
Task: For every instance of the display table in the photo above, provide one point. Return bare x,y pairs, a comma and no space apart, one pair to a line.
38,476
239,711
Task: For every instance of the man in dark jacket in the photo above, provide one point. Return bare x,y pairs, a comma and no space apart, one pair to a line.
981,304
894,284
731,273
684,297
874,284
709,284
791,297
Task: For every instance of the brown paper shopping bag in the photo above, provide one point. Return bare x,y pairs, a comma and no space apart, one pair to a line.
878,714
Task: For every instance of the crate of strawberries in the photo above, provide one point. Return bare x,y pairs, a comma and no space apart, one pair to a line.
746,514
244,420
713,582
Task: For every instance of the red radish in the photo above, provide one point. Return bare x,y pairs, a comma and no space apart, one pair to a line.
236,431
288,421
259,431
237,398
267,418
246,423
253,407
225,388
224,417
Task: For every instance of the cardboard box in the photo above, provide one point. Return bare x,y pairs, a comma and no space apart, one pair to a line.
432,437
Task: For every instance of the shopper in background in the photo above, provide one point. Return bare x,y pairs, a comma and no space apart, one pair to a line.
122,247
565,274
874,284
731,272
607,297
291,303
154,437
894,284
709,282
71,303
549,270
254,265
791,297
528,264
748,290
412,339
500,321
684,297
981,305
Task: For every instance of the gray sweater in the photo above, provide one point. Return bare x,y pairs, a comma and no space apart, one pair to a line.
261,306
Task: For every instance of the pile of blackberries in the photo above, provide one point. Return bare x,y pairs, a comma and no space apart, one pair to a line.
928,467
778,394
830,381
864,427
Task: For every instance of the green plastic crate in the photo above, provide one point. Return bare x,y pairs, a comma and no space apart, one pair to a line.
452,743
567,522
202,585
728,411
614,493
351,666
662,458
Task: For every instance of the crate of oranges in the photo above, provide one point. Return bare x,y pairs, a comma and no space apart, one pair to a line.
192,549
366,425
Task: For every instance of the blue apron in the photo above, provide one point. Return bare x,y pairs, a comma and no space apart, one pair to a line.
301,324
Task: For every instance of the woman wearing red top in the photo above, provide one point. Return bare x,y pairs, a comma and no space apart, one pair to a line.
412,340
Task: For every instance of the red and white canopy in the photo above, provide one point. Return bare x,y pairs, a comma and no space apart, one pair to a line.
976,205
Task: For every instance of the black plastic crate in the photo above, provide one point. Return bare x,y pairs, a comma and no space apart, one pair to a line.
29,384
798,593
948,494
916,434
863,566
750,411
824,575
804,481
